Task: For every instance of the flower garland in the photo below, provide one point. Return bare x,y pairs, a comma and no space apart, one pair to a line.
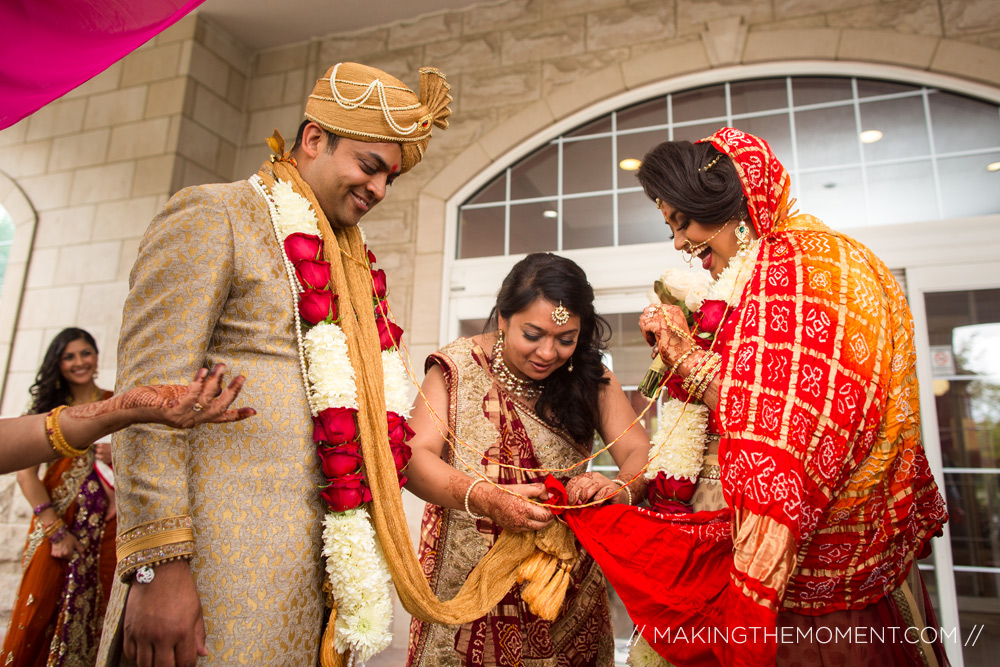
677,454
678,447
355,564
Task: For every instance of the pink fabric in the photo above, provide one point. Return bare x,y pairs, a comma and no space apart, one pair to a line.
49,47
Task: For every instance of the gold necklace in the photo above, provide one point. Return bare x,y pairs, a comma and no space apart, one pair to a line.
527,389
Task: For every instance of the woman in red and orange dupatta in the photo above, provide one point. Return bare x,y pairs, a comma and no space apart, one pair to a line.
829,498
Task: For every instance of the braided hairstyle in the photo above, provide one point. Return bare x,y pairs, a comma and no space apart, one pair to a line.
569,400
696,179
50,389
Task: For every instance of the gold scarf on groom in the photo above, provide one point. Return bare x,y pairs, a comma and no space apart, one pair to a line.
497,572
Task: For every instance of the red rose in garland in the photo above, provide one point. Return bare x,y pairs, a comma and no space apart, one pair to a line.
401,453
371,257
378,284
335,426
669,494
318,305
340,460
299,246
389,333
313,273
346,492
399,430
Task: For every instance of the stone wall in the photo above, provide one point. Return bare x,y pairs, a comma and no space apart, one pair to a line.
518,66
194,106
86,174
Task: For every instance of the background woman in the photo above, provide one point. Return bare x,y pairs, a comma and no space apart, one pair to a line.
529,393
811,380
69,560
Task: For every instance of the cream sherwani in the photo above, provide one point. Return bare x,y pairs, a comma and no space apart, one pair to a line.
209,286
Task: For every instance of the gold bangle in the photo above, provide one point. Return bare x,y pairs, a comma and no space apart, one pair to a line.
55,435
677,364
710,375
690,382
50,528
693,385
706,374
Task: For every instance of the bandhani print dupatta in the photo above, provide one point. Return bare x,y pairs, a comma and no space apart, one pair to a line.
830,497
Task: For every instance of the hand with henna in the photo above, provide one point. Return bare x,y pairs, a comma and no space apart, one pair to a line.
666,328
509,511
590,486
203,401
181,407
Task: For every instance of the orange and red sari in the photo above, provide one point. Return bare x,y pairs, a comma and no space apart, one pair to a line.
60,604
829,495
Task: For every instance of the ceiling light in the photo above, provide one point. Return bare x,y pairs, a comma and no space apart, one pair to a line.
993,166
871,136
630,164
550,214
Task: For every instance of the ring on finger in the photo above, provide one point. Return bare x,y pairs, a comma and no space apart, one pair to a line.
198,407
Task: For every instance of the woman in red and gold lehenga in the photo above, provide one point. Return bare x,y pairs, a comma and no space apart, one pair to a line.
69,559
811,383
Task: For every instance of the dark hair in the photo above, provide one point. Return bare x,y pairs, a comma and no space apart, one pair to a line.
331,138
569,400
670,172
50,389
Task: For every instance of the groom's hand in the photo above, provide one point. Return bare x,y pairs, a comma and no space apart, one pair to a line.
163,622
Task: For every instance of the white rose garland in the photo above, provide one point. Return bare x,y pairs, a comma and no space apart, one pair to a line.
355,563
678,446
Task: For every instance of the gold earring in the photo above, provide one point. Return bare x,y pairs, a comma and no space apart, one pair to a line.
569,368
742,237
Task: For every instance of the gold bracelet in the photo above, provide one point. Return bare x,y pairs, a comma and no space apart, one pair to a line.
690,382
680,360
693,384
55,435
706,374
50,528
709,375
624,485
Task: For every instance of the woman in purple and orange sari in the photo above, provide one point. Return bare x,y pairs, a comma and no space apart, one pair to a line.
69,559
809,377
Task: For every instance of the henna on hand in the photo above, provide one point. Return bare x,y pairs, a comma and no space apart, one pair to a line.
510,511
157,396
173,405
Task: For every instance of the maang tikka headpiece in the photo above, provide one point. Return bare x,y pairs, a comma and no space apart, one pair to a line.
560,315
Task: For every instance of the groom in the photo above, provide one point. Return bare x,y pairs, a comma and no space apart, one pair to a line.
220,529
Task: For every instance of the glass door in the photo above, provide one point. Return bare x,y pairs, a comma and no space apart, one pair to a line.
957,316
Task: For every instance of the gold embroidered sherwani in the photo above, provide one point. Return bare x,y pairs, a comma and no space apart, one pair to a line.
209,286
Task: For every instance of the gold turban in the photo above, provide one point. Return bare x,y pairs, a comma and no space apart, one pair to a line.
364,103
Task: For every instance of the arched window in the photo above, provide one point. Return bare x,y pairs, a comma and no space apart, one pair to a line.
861,152
6,241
